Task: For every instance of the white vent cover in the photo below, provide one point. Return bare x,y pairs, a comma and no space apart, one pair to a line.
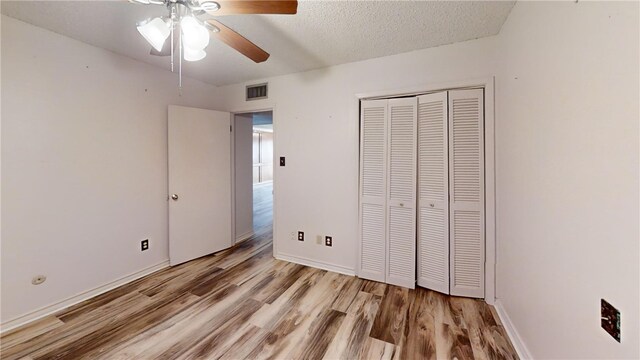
256,92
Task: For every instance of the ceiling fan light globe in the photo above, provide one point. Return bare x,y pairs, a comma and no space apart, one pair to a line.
195,36
191,54
155,31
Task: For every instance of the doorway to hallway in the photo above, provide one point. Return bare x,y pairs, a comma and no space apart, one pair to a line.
254,168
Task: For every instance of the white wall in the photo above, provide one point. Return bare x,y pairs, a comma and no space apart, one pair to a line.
243,143
84,165
316,127
567,175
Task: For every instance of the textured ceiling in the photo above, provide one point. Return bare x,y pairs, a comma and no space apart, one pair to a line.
323,33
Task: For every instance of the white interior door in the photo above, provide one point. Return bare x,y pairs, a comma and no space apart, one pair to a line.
199,182
401,269
373,190
466,173
433,192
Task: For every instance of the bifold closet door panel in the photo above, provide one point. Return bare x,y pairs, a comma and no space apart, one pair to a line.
373,190
466,191
401,265
433,192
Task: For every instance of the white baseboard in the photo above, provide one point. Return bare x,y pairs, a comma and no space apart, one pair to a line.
85,295
316,264
516,340
245,236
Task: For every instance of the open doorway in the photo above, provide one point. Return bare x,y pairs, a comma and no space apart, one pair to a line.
253,143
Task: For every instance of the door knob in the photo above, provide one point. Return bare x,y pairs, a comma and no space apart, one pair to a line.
402,204
174,197
432,205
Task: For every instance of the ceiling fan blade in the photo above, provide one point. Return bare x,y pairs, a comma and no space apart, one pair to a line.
238,42
236,7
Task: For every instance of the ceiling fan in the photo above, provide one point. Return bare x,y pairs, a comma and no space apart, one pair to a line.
183,29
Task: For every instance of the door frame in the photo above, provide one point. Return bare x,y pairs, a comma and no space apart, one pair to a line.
488,84
251,108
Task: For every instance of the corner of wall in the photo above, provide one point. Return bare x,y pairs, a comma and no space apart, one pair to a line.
514,336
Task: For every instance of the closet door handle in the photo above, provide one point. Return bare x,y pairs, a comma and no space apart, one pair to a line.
432,205
402,204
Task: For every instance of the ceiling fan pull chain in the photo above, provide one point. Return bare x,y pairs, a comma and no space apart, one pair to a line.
180,63
172,24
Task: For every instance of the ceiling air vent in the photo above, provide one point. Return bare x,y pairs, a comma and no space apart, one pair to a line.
255,92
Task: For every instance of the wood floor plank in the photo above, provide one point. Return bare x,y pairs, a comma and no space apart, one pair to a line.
461,346
347,294
155,311
374,287
240,348
354,331
492,343
202,316
389,323
90,305
245,251
28,332
164,335
282,282
319,336
375,349
420,329
291,328
203,342
78,328
272,315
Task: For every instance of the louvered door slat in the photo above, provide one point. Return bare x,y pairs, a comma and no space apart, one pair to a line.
466,172
402,188
433,193
373,194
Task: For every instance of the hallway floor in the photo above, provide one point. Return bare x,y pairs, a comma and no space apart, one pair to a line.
262,205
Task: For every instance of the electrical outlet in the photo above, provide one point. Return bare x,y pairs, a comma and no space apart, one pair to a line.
610,319
144,245
300,235
281,160
328,241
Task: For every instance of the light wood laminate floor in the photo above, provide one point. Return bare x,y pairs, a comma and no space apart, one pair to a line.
262,205
242,303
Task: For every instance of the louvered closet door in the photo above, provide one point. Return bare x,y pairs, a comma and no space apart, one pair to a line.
466,173
373,195
401,266
433,193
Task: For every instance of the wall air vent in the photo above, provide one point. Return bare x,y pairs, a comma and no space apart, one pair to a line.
256,92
